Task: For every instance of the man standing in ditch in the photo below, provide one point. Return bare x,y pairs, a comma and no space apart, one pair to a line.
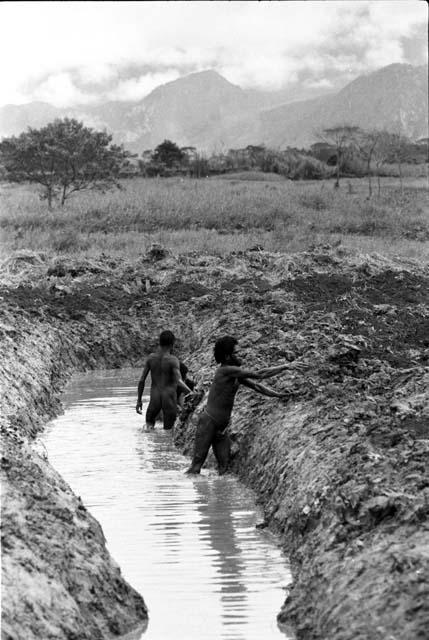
215,417
164,369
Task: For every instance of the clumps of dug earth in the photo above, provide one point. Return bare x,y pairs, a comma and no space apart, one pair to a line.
340,466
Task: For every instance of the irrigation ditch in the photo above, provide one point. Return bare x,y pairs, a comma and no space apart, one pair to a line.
340,467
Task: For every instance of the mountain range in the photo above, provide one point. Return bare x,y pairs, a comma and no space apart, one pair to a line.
208,112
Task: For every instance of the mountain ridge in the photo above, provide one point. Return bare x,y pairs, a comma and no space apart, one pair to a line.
205,110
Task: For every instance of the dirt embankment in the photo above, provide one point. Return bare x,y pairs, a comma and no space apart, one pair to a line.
341,468
58,580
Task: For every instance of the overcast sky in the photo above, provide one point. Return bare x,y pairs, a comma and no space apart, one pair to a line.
80,52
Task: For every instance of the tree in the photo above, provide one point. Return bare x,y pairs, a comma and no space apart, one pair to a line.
256,155
392,148
199,166
168,153
382,153
145,163
399,146
324,152
342,139
189,156
64,157
366,143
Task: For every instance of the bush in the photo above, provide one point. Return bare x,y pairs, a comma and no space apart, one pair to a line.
309,168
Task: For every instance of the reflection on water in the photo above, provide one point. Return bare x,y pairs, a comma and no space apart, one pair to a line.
188,545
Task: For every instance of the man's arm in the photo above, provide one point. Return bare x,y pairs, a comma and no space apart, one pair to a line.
237,372
260,374
140,387
178,379
184,387
262,389
268,372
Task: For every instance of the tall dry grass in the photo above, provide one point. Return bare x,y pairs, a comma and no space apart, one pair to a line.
219,215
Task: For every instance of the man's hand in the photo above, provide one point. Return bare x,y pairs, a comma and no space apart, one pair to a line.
268,372
298,366
139,407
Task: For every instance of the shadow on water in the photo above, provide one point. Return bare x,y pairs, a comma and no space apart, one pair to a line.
188,544
217,525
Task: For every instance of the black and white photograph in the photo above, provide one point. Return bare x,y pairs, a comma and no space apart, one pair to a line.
214,325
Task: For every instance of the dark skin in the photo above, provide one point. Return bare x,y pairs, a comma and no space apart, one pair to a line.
215,418
166,380
227,380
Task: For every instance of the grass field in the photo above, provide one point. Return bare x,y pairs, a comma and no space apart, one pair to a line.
219,215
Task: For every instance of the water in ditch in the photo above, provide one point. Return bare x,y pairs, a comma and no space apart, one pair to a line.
189,545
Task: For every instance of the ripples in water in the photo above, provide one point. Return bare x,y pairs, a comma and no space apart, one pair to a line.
188,544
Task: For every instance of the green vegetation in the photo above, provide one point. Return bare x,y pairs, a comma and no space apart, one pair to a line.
358,152
64,157
344,151
218,216
169,160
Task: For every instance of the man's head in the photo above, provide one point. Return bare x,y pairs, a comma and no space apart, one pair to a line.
166,339
225,351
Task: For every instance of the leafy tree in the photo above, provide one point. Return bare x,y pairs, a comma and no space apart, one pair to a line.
342,139
238,159
168,153
64,157
255,154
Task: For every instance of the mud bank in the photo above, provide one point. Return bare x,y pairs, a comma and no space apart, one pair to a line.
58,580
340,468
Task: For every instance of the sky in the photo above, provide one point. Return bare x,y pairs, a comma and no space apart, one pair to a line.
69,53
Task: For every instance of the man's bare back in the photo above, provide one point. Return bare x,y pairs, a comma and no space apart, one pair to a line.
164,368
165,376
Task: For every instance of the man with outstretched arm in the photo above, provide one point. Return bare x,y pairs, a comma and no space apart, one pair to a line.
216,415
164,369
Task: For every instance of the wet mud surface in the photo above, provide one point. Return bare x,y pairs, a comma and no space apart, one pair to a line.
340,467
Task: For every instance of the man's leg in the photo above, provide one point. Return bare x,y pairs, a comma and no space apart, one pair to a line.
154,407
169,411
169,418
205,433
222,450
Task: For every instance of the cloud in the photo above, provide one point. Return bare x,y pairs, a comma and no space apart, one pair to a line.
138,88
415,45
59,90
121,49
96,74
323,83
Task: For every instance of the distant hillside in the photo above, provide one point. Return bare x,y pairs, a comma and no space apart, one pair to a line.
202,109
394,97
16,118
206,111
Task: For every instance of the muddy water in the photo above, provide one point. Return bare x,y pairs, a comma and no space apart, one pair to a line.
189,545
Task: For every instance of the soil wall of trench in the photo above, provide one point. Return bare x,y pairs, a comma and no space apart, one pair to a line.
340,466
